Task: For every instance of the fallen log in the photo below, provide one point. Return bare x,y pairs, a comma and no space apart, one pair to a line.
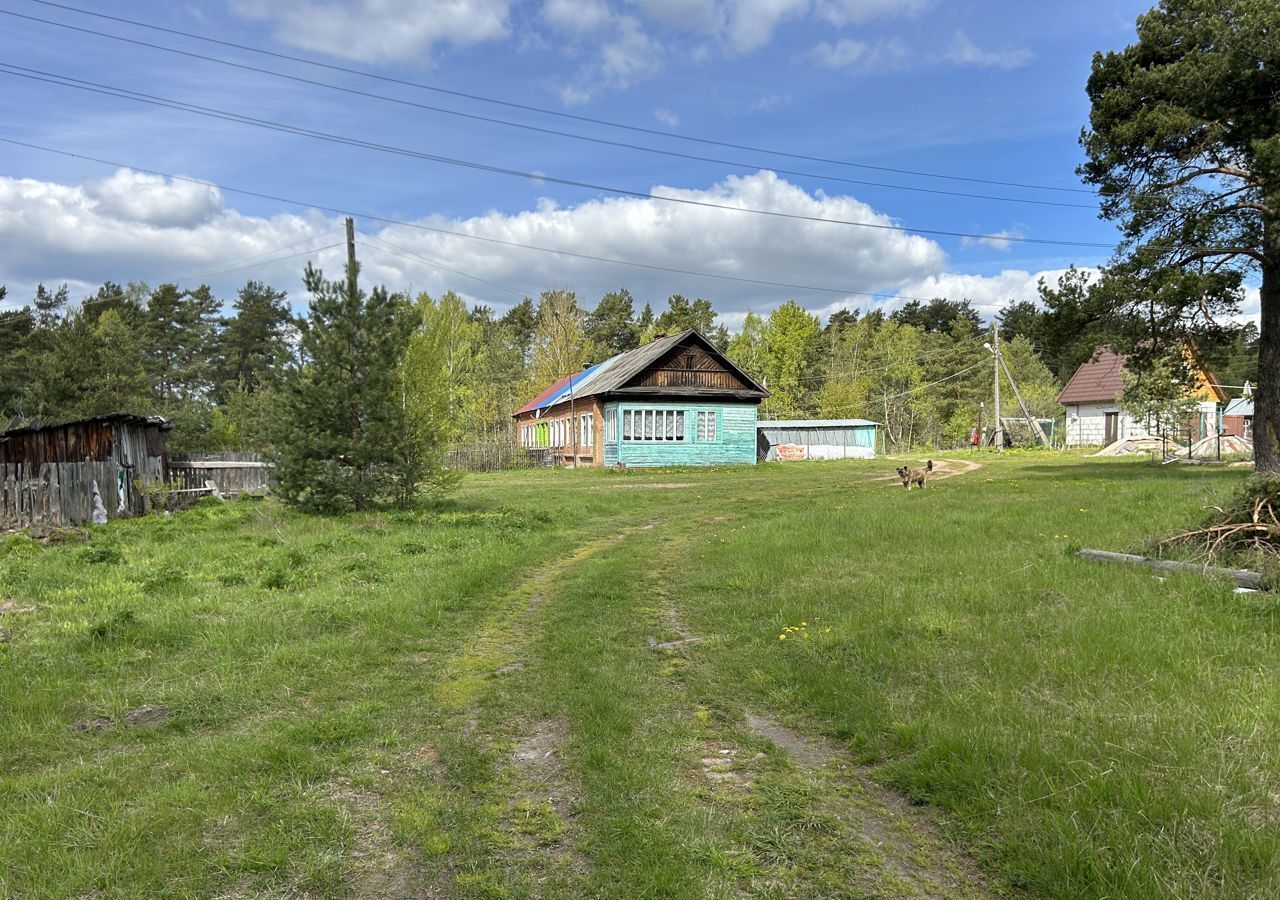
1242,577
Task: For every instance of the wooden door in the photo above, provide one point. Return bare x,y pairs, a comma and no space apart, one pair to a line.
1112,429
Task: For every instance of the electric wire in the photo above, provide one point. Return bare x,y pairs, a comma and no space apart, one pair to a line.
271,125
551,131
544,110
474,237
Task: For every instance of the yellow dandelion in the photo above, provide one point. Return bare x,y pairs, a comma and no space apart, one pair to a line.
782,637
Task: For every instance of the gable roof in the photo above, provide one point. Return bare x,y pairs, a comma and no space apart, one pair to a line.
615,372
1097,380
1101,379
1241,406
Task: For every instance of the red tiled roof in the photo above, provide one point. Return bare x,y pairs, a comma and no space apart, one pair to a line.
538,400
1097,380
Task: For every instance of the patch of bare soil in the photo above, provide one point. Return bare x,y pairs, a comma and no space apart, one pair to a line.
382,871
9,606
150,716
671,619
942,468
910,850
546,803
146,716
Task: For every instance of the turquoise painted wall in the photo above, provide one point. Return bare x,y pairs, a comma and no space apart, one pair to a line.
735,436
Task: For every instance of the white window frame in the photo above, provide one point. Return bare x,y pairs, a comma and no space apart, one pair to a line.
653,426
707,426
611,427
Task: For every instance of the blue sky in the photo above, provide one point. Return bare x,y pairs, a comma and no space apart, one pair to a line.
989,90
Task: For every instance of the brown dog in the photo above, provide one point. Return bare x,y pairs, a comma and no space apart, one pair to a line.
916,476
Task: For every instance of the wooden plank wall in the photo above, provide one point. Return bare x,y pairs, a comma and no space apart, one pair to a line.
47,477
233,473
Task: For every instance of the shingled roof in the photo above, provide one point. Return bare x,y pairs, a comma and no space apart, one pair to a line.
1098,380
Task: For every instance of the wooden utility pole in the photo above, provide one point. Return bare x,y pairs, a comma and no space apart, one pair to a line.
351,254
999,434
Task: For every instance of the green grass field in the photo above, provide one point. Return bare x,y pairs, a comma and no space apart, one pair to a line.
779,681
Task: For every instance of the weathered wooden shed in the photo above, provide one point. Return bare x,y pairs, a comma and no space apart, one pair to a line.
49,473
816,439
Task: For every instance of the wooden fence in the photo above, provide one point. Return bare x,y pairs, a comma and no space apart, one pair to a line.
231,473
496,457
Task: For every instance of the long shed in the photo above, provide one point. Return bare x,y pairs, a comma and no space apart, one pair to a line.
817,438
49,473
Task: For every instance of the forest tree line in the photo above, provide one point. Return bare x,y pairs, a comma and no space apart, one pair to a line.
220,370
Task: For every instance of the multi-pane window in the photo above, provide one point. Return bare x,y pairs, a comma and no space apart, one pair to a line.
586,430
611,427
707,426
653,425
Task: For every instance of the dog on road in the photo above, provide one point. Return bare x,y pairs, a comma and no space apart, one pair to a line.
919,476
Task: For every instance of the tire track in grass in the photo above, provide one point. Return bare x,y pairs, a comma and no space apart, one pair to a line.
518,802
806,820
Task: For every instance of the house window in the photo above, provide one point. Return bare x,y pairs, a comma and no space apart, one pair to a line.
707,426
611,427
653,425
586,430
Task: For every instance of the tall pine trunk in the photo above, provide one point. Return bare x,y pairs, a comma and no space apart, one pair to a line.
1266,399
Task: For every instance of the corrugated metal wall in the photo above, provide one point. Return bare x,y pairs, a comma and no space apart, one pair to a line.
836,442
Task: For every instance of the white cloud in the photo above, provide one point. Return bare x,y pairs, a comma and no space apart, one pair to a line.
380,30
997,240
134,197
853,12
965,52
846,53
771,101
750,24
987,292
54,233
87,234
628,56
576,17
51,233
666,117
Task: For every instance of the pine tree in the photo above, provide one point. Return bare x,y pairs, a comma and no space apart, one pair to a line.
345,443
611,325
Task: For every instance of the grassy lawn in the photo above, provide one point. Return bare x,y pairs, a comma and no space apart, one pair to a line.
575,684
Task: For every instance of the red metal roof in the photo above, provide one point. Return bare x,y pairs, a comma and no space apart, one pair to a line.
541,398
1098,380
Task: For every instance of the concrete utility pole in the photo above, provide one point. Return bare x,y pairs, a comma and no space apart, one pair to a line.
999,435
1031,421
351,254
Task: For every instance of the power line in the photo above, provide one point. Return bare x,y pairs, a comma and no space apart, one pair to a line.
550,112
551,131
388,247
271,125
474,237
265,262
236,264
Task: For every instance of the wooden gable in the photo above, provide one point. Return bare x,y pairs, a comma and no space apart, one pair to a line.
687,366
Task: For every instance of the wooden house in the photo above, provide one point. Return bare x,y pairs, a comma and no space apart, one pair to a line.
51,473
675,401
1092,398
